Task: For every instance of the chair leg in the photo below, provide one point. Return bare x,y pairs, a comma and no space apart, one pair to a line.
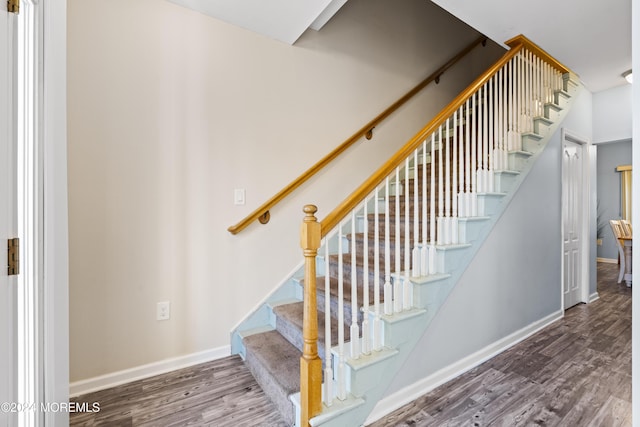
622,265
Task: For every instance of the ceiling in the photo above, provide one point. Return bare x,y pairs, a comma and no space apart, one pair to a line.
283,20
591,37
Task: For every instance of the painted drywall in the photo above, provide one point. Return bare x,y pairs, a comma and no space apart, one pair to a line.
169,111
610,156
612,114
515,278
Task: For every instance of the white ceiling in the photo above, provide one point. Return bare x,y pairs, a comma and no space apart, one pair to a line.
591,37
283,20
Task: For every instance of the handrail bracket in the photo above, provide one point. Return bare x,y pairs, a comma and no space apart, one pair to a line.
265,217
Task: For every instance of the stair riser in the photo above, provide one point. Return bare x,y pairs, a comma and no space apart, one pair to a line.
504,181
346,270
347,313
392,229
293,334
541,126
371,247
518,160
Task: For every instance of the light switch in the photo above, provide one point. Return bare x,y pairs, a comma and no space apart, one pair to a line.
238,196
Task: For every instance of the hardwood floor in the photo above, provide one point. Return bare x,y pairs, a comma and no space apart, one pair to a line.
218,393
576,372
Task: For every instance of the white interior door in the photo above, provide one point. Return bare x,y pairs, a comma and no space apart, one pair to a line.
572,213
8,218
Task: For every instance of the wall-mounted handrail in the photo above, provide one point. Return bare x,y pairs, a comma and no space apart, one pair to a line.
262,213
516,44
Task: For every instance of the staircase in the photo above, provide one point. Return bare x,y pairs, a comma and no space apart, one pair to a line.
393,258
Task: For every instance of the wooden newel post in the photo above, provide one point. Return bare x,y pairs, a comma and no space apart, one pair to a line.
310,362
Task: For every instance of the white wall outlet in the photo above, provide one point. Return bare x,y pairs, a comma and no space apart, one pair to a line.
239,196
163,310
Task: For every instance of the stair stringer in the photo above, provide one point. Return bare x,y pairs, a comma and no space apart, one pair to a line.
355,410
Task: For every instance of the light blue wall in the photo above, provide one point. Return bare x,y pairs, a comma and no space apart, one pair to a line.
515,278
612,114
609,157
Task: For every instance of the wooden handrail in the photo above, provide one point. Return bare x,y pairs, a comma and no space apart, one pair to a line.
538,51
262,212
350,203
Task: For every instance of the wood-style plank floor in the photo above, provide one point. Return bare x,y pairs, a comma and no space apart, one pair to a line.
218,393
576,372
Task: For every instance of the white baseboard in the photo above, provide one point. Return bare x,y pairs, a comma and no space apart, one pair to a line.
425,385
113,379
593,297
607,260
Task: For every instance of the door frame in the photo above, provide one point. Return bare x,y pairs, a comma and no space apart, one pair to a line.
8,219
47,202
55,212
585,277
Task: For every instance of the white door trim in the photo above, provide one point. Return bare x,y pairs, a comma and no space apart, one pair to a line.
585,143
56,245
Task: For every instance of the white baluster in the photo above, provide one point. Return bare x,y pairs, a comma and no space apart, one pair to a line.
342,388
511,99
407,237
447,185
416,270
424,251
505,117
482,184
397,285
521,76
498,152
473,196
366,332
529,92
454,184
480,143
525,98
328,362
388,300
355,330
432,210
534,87
491,137
462,128
539,111
467,161
377,331
440,231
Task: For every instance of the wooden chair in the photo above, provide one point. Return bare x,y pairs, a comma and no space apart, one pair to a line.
623,233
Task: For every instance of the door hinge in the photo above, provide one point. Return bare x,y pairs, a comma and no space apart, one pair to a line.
13,6
13,256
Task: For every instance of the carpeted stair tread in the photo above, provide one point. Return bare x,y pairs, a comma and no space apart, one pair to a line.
275,363
290,321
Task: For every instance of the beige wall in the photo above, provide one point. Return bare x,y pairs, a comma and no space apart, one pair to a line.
170,110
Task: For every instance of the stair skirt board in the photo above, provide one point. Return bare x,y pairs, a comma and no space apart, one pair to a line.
102,382
368,377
